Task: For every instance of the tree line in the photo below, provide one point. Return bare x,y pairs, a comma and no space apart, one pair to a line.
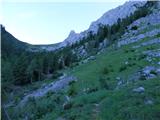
30,67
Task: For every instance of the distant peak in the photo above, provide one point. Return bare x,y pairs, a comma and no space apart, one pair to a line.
72,32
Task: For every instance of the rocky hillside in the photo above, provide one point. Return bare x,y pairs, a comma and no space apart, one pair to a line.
108,18
116,76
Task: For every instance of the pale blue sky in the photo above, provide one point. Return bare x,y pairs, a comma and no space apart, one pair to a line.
50,22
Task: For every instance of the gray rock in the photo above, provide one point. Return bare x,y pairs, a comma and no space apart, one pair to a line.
148,69
158,71
120,83
148,102
125,41
54,86
118,78
81,52
139,89
126,62
84,61
103,44
67,98
149,59
92,58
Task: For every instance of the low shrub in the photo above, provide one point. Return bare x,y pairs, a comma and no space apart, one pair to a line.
122,68
103,83
105,70
134,27
153,72
72,90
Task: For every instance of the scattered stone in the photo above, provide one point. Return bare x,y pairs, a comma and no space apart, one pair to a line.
148,69
152,53
126,63
158,71
88,59
119,83
149,59
148,72
96,105
84,61
67,98
148,102
118,78
139,90
139,37
92,58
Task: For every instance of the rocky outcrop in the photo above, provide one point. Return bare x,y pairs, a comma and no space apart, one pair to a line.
81,52
152,53
54,86
103,44
139,37
150,42
72,38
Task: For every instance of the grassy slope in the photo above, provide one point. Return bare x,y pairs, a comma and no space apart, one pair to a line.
111,103
90,100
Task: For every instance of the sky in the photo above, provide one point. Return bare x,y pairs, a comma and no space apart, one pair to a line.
48,22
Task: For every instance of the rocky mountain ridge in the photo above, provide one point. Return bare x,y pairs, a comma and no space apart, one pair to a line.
108,18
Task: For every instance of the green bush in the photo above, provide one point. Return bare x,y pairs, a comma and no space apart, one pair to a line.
122,68
72,90
142,77
103,83
134,27
105,70
153,72
140,57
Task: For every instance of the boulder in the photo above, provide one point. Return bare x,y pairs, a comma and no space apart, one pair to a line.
67,105
148,69
139,89
148,102
158,71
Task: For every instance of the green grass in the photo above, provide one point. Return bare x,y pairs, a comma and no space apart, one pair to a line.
124,104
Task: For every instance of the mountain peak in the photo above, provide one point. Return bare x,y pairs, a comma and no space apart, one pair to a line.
72,32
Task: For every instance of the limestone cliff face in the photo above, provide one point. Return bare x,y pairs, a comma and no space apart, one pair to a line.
108,18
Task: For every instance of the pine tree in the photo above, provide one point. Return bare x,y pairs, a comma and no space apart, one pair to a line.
6,73
19,70
30,70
